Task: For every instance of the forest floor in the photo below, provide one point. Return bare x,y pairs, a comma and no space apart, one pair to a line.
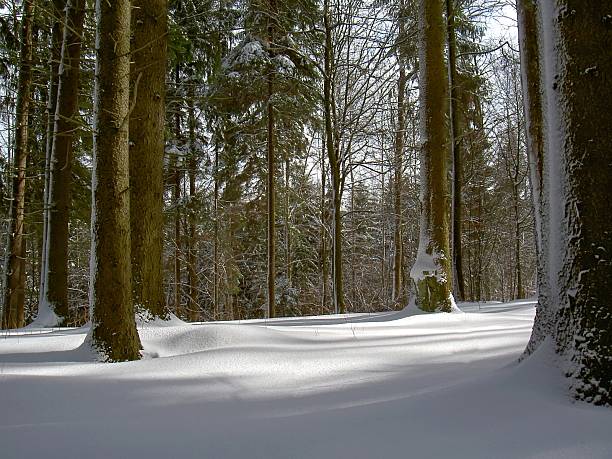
383,385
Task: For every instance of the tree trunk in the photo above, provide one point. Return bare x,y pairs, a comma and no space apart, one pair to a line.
578,36
147,121
398,251
59,198
216,235
323,251
334,165
176,198
457,154
113,330
431,272
531,71
193,309
12,316
56,9
271,205
270,190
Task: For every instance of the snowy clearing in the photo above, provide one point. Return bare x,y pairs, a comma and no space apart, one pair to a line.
358,386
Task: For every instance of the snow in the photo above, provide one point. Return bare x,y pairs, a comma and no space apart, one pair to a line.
345,386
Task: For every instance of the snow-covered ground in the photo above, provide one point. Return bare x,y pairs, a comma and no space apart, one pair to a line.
361,386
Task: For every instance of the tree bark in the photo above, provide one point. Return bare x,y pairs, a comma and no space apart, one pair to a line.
14,284
113,331
270,159
56,9
335,167
216,235
457,155
271,204
147,121
193,309
578,37
398,255
176,198
531,71
59,197
323,248
431,272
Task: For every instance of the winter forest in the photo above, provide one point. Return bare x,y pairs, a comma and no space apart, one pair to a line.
306,228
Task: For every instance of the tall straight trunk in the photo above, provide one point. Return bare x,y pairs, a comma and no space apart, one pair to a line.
431,273
398,250
270,159
113,331
323,248
56,10
383,230
353,299
457,154
531,71
287,219
55,295
193,310
578,180
14,285
147,121
176,197
271,205
216,235
335,167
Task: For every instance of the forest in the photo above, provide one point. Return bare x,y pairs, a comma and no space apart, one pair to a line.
350,198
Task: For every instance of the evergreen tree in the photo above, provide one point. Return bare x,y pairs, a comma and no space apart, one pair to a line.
147,120
113,332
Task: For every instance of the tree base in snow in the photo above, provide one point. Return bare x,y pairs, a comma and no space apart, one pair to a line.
431,294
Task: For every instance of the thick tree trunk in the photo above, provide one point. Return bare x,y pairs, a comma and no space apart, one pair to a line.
578,35
431,274
457,154
59,199
113,330
531,71
147,121
14,284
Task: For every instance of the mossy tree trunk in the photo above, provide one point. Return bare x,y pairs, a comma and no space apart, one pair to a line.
147,121
60,174
398,166
431,272
113,330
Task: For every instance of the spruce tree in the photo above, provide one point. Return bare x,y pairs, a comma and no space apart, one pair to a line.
147,120
113,332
